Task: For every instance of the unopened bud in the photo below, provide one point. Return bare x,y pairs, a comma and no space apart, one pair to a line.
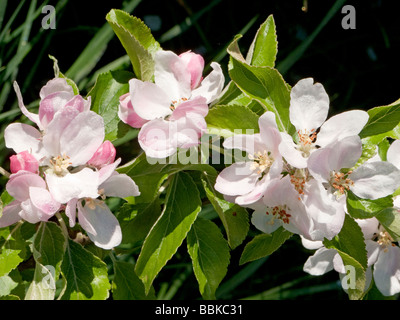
104,155
23,161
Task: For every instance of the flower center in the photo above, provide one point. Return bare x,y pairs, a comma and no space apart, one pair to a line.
298,180
341,181
262,161
59,165
385,240
306,142
175,103
279,212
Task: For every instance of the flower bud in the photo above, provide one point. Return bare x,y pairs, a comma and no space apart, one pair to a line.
104,155
24,161
194,65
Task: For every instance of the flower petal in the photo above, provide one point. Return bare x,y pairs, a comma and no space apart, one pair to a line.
171,75
309,104
340,126
321,262
237,179
42,200
155,139
120,185
104,229
373,180
194,64
387,271
127,114
393,153
264,220
288,150
212,85
78,185
10,214
196,105
23,137
56,85
31,116
19,184
70,211
148,100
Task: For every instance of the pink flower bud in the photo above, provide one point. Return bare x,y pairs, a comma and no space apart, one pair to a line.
194,65
24,161
104,155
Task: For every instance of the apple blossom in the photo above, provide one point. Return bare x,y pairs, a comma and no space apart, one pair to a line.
309,105
24,161
371,180
32,201
177,101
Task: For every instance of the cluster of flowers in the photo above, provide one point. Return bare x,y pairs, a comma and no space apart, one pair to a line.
65,164
301,183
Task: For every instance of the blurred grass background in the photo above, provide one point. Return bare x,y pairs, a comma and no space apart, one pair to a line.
359,69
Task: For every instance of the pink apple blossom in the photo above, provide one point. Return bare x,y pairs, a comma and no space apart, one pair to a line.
177,101
24,161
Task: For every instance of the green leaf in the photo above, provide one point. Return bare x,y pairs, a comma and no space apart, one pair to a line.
228,120
360,208
209,252
85,274
182,206
382,119
350,245
234,218
48,251
126,284
390,220
264,47
263,84
232,95
264,245
105,99
136,220
137,40
12,249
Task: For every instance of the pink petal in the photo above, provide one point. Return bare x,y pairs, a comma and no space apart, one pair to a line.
196,105
70,211
155,139
212,85
127,114
10,214
19,184
104,155
24,161
56,85
195,65
50,105
31,116
42,200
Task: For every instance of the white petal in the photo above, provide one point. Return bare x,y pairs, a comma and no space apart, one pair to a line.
342,125
251,143
148,100
309,104
269,133
78,185
171,75
237,179
387,271
20,182
393,154
369,227
265,222
22,137
83,136
375,180
212,85
31,116
120,185
321,262
107,229
43,201
55,85
288,150
70,211
311,245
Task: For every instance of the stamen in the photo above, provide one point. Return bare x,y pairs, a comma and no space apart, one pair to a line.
175,103
262,161
298,180
306,141
341,181
59,165
385,240
279,212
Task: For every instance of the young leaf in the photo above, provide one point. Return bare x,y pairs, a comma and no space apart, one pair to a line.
126,284
182,205
12,249
263,84
225,120
360,208
264,245
382,119
210,256
350,245
234,218
137,40
85,274
105,99
264,47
